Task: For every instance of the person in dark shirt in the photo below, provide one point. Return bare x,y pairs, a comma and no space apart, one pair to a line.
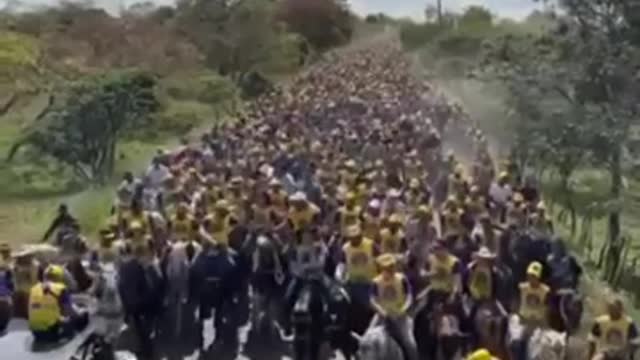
62,220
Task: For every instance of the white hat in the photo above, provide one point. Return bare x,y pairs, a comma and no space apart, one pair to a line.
485,253
298,196
375,204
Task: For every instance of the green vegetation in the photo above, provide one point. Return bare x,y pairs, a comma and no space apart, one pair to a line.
85,95
558,92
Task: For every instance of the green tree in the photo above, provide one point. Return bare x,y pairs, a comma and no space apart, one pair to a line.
587,67
81,126
324,23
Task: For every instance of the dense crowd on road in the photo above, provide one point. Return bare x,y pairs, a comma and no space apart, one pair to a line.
334,210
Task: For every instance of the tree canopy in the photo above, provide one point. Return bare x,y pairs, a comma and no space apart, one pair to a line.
83,122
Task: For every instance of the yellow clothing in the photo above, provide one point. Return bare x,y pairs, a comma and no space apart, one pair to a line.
181,228
392,243
391,294
480,283
220,228
533,302
44,305
371,226
349,217
442,272
360,261
452,222
301,218
613,333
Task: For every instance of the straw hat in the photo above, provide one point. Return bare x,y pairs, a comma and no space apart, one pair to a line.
386,260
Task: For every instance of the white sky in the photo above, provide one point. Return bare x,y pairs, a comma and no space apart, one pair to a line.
402,8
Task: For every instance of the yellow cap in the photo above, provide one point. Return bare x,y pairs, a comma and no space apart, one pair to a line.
474,189
386,260
350,196
54,272
414,183
535,269
503,175
482,354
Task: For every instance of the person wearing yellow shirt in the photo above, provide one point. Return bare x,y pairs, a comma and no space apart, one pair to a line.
51,313
534,297
392,238
357,264
444,270
180,223
613,335
219,225
451,217
302,213
391,298
349,214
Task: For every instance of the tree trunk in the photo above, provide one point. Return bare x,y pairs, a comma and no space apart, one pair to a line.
615,249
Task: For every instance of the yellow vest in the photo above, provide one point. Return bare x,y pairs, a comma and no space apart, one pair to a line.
613,333
44,306
442,279
181,227
391,295
392,244
360,261
220,228
533,304
480,283
349,216
371,226
301,218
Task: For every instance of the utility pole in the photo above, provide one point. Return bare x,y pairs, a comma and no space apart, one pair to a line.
439,7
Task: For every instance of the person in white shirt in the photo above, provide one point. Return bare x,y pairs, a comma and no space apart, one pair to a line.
500,193
157,173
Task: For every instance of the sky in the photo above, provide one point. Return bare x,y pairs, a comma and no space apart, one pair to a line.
517,9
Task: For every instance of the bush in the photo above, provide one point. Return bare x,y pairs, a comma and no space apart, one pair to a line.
180,117
460,44
415,35
208,88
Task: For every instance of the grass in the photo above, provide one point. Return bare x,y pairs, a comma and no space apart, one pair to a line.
32,187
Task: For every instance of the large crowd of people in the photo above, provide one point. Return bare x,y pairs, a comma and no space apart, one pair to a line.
338,201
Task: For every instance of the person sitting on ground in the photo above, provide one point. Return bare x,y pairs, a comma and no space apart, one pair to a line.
52,316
